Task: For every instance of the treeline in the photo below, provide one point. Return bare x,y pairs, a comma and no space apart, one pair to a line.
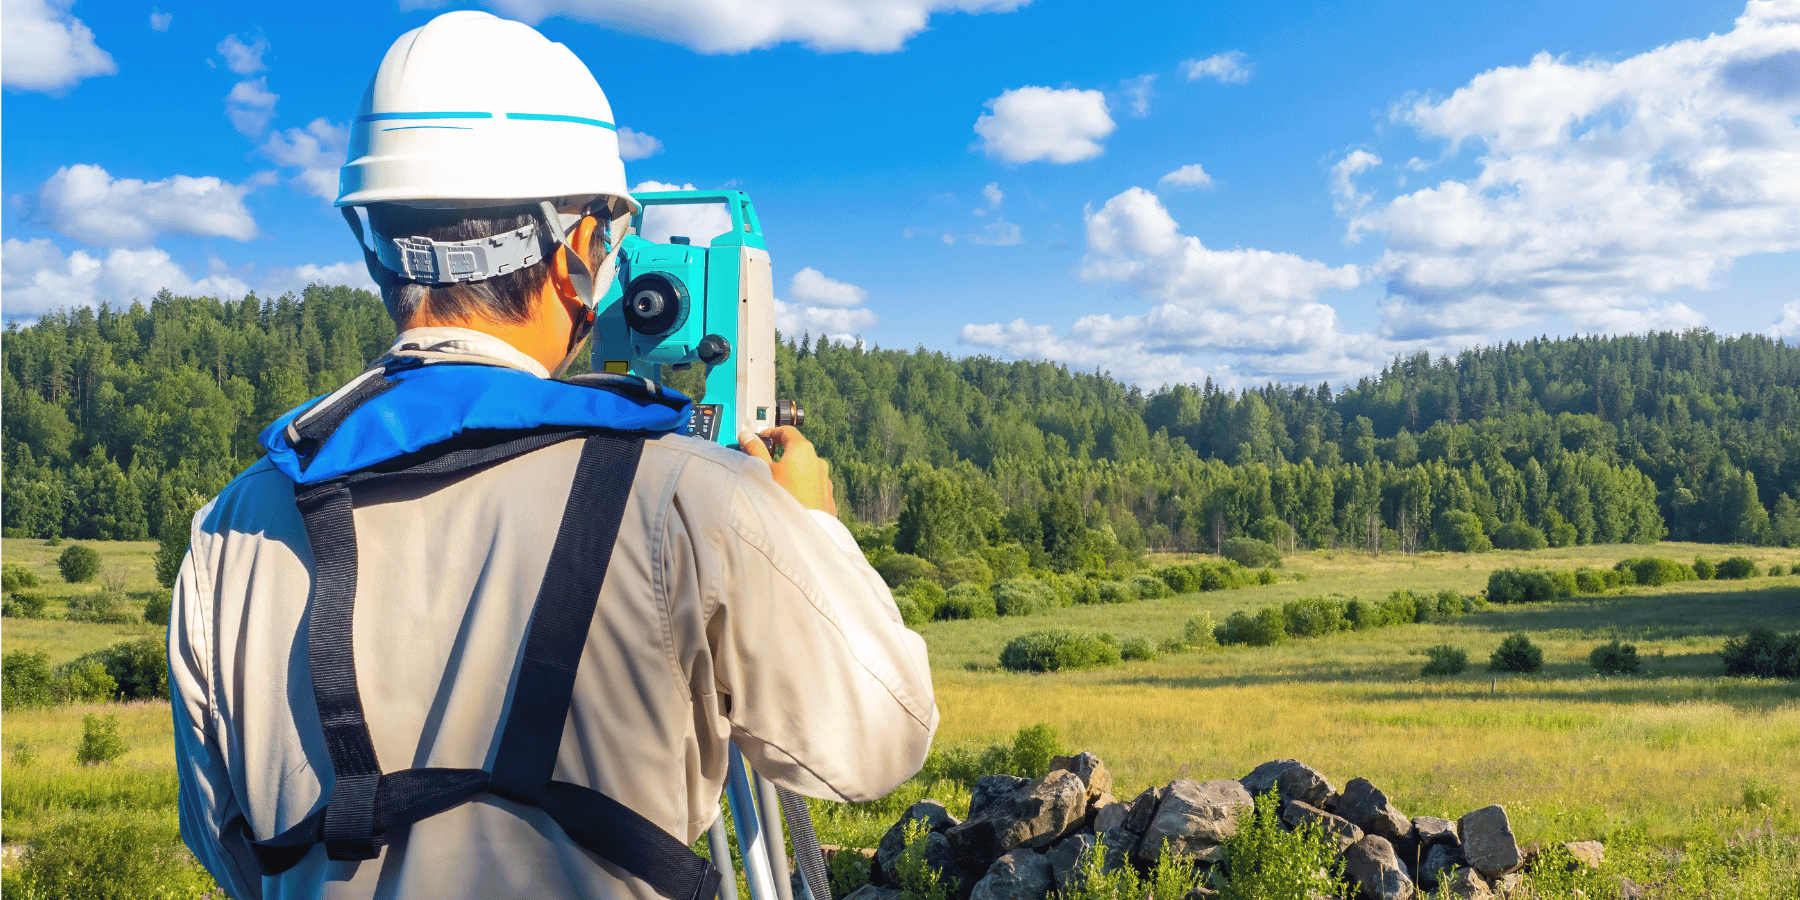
118,421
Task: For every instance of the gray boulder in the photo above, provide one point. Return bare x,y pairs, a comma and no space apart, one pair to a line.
1366,807
1590,854
1143,809
928,813
1108,816
1371,864
1089,768
1065,860
1035,815
1431,831
1465,884
1292,779
1194,818
990,788
1022,874
1120,844
1440,862
1487,841
1339,832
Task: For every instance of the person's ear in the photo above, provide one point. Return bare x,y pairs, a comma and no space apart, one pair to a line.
559,267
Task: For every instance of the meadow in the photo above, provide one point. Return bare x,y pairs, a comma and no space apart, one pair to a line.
1680,756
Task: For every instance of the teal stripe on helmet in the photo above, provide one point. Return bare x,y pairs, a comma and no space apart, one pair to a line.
553,117
382,117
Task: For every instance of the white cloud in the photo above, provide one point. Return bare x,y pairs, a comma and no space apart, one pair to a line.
35,277
1246,309
1032,123
44,48
1190,175
993,195
159,20
637,145
293,280
1228,67
244,58
1788,326
1137,93
316,150
810,286
738,26
998,234
250,106
796,319
1601,184
86,203
698,222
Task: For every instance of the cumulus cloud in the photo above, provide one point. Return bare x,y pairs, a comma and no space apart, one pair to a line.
250,106
1229,67
811,286
159,20
698,222
1033,123
1246,309
1787,327
241,56
286,280
88,204
44,48
1188,176
36,277
826,307
317,150
1601,184
637,145
738,26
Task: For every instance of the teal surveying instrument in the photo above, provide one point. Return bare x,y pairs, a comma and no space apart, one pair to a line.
677,303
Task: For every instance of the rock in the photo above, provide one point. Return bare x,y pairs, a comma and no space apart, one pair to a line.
1120,844
1366,807
871,892
1588,853
1371,864
1088,768
1511,884
928,813
1021,874
940,856
1440,861
1487,841
1341,833
1035,815
1629,890
1111,815
1143,809
1432,831
1465,884
1065,860
1194,818
989,788
1292,779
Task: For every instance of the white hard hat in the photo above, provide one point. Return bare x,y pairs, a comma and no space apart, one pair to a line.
470,109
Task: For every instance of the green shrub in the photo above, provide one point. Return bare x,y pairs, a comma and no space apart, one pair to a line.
924,594
1267,577
1250,552
1654,570
1762,654
1198,632
1023,597
1137,648
140,668
111,856
16,577
968,601
1519,536
25,680
100,608
1027,754
901,568
848,872
910,615
1150,587
158,608
1563,582
23,605
78,563
1615,659
1314,617
1704,569
1516,654
1527,586
1263,629
1461,531
1592,581
100,741
1172,876
1445,659
1058,649
1114,592
1777,569
972,569
1264,861
1739,567
84,681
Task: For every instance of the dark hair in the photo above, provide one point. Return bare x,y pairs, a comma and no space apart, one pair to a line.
506,298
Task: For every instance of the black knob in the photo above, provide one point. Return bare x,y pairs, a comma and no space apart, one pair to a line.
713,349
787,412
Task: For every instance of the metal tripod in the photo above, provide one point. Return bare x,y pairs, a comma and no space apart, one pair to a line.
756,812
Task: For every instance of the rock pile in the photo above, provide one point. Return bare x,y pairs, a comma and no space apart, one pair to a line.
1023,837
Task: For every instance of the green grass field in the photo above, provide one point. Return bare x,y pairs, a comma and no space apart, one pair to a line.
1681,755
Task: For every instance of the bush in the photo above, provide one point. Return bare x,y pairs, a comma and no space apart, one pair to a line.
158,608
25,605
1250,552
1198,632
901,568
1527,586
100,741
1461,531
968,601
1023,597
1137,648
1150,587
926,596
1739,567
1763,654
1267,577
16,577
108,855
1266,628
100,608
1777,569
1266,860
1615,659
78,563
1516,654
140,668
1654,570
972,569
1704,569
1058,649
1113,592
1519,536
1026,755
25,680
1445,660
1314,617
1594,581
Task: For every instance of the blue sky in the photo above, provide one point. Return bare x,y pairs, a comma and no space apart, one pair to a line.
1167,191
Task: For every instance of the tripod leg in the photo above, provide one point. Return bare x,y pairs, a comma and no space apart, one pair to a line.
806,846
770,806
752,847
720,845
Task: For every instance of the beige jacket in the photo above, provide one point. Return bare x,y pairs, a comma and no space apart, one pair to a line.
729,613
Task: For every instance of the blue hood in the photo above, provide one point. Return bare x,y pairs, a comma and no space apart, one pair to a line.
434,403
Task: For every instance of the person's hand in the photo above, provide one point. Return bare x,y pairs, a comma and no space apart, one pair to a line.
799,470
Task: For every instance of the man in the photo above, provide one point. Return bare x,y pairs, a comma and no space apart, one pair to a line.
361,601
